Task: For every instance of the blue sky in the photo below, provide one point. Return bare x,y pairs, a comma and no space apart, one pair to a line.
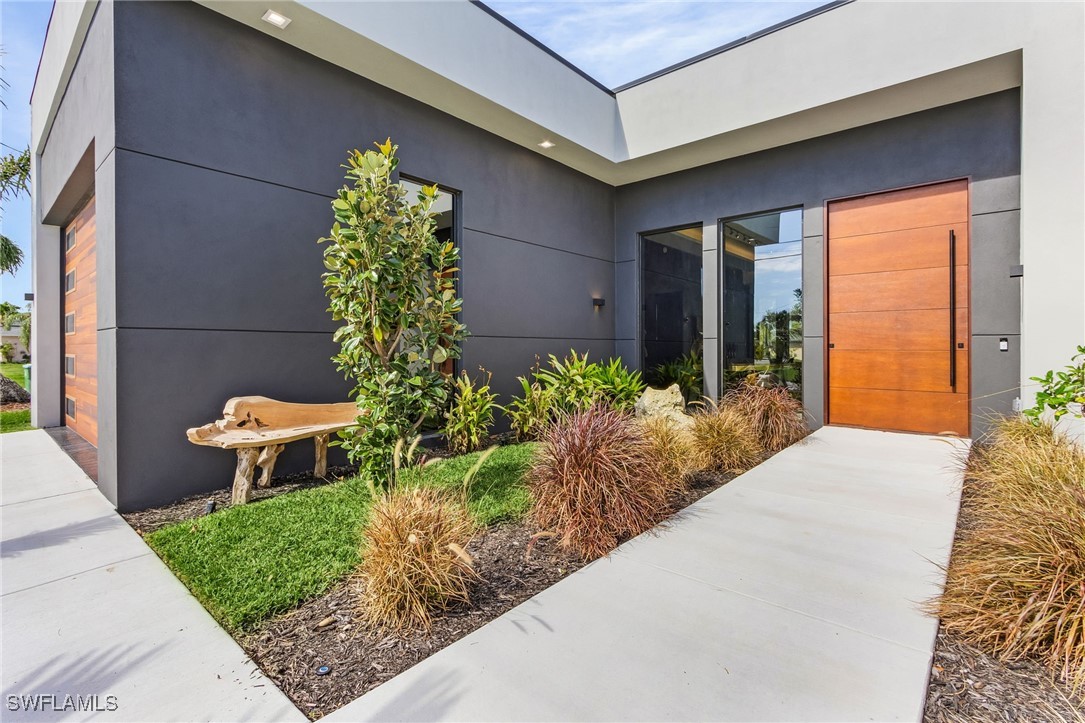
616,41
22,32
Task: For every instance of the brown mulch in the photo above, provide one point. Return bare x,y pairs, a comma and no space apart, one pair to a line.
147,521
966,684
327,631
14,406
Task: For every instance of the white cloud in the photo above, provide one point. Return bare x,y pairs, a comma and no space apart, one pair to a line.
616,41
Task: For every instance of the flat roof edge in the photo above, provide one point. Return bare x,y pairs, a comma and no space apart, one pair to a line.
540,45
733,44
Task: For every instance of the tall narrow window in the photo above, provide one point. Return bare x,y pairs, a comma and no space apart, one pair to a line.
69,282
761,300
69,323
445,208
69,239
69,407
671,312
69,365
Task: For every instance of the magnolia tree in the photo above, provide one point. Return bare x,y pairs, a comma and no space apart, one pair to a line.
392,284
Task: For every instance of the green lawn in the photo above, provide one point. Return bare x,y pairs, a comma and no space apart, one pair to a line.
15,421
14,372
250,562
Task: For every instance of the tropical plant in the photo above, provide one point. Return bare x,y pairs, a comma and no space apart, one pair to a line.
10,314
596,481
470,416
1061,391
14,181
726,438
1016,581
777,417
414,561
529,414
392,284
6,350
575,384
687,371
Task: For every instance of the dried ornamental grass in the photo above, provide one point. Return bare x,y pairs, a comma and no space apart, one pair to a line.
1016,583
414,563
777,416
675,450
596,482
726,438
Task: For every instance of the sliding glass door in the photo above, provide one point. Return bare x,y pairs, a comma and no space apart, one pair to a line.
761,300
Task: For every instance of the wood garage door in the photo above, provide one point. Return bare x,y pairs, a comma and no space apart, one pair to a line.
81,326
898,273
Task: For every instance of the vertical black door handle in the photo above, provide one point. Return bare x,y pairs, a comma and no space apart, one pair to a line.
952,310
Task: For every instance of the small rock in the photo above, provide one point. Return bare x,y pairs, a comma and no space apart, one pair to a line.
664,403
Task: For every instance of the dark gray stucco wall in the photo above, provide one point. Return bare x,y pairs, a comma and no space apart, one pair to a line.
979,139
228,151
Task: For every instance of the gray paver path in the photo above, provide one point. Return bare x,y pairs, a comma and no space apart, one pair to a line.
88,609
790,594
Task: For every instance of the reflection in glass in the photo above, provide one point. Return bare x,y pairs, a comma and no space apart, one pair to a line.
762,300
671,310
443,207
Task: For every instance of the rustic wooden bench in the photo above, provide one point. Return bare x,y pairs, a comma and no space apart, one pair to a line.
259,429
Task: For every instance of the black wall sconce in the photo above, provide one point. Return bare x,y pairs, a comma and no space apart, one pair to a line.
598,303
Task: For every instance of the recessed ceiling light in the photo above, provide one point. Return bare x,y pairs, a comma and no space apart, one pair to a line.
277,19
547,144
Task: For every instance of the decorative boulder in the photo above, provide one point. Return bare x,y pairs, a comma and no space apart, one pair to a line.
668,403
11,392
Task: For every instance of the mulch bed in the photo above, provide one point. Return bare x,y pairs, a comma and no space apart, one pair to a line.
966,684
327,631
14,406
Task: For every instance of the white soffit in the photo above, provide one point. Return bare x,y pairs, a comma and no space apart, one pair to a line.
855,64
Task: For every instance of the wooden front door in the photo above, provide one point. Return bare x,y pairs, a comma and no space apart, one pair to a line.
898,332
81,326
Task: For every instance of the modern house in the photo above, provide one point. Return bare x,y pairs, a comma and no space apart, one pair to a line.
881,205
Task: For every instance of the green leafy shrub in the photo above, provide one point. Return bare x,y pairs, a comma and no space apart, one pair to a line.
1060,390
469,418
392,284
777,416
726,438
529,414
1016,582
596,482
687,371
569,385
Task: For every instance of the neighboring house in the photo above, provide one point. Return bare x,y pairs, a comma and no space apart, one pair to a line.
890,162
11,336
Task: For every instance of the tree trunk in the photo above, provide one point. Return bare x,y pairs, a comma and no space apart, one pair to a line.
246,464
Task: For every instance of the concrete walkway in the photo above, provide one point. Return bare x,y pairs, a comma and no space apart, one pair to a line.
88,609
791,594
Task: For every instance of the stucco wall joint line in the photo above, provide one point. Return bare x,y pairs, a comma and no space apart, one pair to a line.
226,173
534,243
1001,210
227,331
